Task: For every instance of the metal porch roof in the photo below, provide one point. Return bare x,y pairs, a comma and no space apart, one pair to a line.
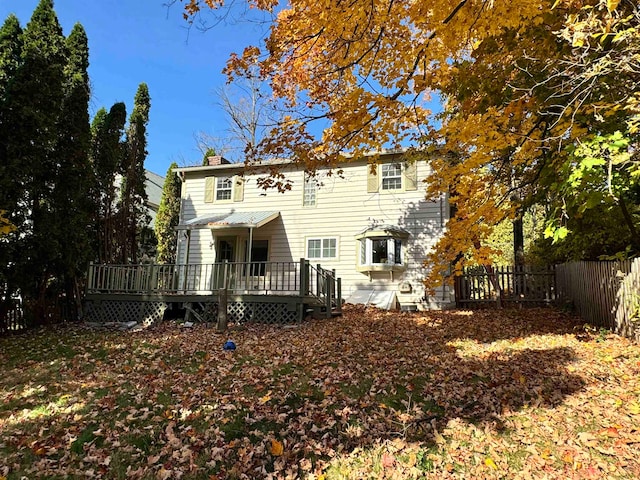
229,220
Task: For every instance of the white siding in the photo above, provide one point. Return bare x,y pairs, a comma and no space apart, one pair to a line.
343,209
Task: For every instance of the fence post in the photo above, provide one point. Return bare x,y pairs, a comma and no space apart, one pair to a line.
498,289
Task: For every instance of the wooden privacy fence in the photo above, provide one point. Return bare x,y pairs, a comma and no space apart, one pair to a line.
604,294
504,285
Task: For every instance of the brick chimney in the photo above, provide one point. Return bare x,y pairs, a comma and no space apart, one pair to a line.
217,160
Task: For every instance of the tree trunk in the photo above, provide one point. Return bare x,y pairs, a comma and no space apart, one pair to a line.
635,237
518,241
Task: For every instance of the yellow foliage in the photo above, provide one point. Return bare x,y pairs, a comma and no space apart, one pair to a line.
6,226
513,77
612,5
490,463
276,448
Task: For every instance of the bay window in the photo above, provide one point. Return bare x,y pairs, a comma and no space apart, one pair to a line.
382,248
381,251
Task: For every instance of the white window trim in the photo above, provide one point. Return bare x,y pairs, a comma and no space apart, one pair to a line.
212,189
218,189
399,177
367,243
408,178
365,248
321,257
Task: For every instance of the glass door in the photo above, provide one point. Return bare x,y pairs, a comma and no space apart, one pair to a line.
259,257
225,250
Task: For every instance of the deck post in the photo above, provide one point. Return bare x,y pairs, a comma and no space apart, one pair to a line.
339,295
152,281
221,325
329,295
225,273
304,277
139,277
89,278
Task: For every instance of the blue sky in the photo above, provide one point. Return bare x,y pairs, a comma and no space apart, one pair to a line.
134,41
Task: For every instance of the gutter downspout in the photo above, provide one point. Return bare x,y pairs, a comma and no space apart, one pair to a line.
186,260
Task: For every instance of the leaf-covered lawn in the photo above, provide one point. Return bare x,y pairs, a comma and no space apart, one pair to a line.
373,394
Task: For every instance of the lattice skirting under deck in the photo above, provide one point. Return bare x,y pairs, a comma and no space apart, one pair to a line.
147,312
242,312
124,311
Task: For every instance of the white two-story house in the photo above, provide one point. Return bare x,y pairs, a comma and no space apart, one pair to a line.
370,223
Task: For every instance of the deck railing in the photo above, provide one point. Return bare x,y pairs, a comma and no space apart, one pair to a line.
324,286
266,278
501,285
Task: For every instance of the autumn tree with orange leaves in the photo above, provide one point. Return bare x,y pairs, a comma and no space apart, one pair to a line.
524,84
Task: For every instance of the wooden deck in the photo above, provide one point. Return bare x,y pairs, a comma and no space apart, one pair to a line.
272,292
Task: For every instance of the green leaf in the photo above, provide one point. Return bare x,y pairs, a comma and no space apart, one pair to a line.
560,234
591,162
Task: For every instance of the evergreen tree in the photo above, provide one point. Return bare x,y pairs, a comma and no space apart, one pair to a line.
35,100
10,183
132,212
10,61
10,51
98,125
168,217
57,173
107,131
71,206
209,153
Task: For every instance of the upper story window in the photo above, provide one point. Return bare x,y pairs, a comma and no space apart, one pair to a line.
309,192
322,248
224,187
391,176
